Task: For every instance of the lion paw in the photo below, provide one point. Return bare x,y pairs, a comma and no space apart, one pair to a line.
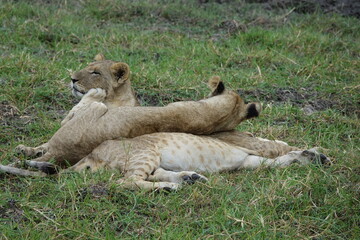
30,151
20,150
95,94
315,157
192,177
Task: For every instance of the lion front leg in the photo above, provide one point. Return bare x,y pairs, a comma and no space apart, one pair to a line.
88,163
93,95
40,163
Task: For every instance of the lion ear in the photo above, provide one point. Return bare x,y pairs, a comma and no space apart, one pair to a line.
99,57
216,86
121,71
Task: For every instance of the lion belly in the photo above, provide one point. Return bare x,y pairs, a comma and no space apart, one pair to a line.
193,153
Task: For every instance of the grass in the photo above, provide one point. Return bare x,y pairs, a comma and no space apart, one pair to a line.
290,61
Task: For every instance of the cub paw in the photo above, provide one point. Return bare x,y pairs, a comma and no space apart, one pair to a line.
96,94
20,150
98,105
167,187
315,157
191,178
29,151
25,151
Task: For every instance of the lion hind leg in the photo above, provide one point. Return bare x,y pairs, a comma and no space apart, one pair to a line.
135,182
189,177
302,157
144,162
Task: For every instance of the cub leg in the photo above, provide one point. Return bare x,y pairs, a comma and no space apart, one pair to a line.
161,174
139,167
134,179
93,95
264,147
302,157
137,160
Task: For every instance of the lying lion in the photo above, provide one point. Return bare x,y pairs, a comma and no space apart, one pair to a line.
144,158
114,78
165,160
93,122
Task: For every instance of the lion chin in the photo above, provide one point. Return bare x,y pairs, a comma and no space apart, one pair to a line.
76,92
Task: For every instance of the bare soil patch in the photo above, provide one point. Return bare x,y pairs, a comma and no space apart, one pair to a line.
157,98
94,191
307,99
344,7
12,212
11,120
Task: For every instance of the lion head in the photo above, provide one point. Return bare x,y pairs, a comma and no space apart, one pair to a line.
109,75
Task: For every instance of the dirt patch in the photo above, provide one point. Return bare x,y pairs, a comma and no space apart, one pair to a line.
9,113
94,191
11,120
163,98
14,122
307,99
12,212
344,7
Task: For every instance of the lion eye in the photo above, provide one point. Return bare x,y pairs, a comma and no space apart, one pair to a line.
95,73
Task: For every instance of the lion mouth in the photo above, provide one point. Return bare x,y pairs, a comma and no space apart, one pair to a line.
76,92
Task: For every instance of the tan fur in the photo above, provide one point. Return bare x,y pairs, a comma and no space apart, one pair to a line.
94,123
114,78
168,159
89,127
157,160
125,96
269,149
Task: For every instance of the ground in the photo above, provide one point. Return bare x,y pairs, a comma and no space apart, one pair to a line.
300,60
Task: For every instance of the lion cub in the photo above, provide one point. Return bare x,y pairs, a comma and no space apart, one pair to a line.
165,160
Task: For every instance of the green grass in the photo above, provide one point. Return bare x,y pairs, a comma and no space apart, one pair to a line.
172,49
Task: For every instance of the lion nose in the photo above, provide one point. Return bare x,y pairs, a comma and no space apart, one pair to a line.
74,80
